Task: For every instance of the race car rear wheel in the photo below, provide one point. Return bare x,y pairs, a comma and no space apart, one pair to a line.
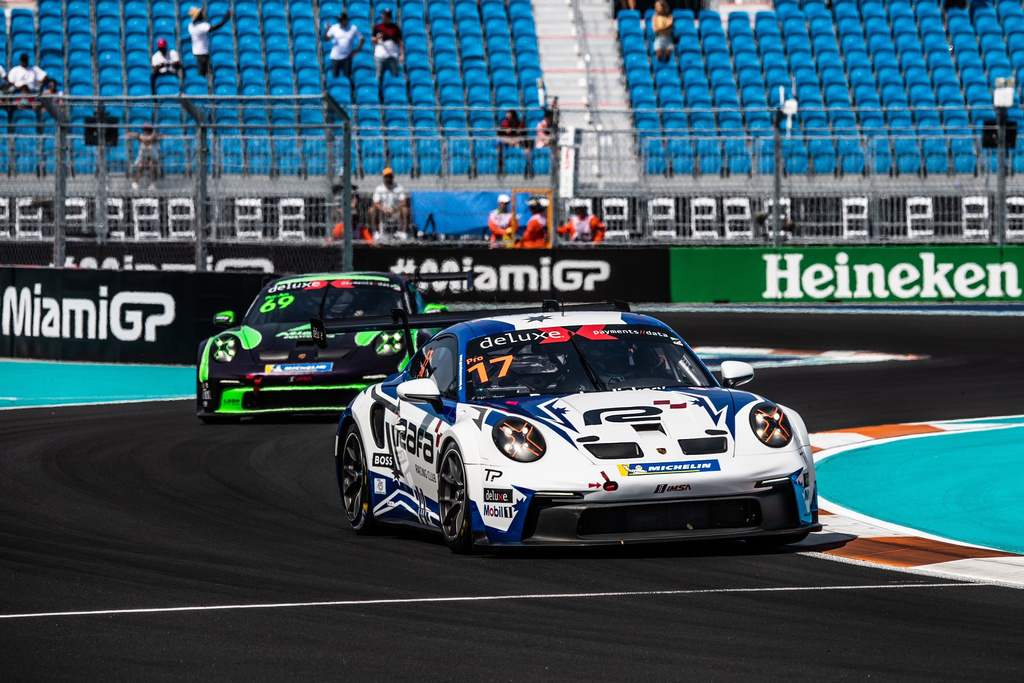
354,482
453,502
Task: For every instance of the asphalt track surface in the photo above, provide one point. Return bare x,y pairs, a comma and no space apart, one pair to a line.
138,506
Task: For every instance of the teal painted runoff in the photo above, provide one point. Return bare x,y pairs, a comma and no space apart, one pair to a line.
964,486
39,384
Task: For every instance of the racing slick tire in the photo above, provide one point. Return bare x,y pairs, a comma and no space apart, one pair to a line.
765,542
354,483
453,502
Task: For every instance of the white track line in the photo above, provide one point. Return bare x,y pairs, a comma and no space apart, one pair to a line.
485,598
113,402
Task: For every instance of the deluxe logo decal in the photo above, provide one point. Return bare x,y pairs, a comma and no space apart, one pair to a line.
299,368
684,467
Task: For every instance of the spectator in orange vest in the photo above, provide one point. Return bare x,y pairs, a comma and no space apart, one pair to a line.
362,233
582,226
502,223
536,234
338,234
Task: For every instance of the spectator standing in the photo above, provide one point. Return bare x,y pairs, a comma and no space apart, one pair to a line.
343,36
390,203
535,236
164,63
199,29
388,48
148,158
25,76
583,226
545,131
502,223
663,23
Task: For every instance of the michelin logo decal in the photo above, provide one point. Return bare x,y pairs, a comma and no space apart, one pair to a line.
126,316
683,467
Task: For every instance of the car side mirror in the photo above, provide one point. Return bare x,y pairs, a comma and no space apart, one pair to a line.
225,319
421,390
735,373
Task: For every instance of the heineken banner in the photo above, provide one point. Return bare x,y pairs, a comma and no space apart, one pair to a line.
857,274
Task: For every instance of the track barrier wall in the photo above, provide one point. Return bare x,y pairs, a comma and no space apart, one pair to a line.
129,306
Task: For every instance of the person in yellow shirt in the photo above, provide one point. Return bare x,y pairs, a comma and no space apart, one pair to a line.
502,223
662,23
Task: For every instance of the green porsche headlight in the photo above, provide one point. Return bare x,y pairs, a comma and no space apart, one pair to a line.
388,343
224,349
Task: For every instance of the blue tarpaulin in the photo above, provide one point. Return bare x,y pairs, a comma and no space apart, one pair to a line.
455,214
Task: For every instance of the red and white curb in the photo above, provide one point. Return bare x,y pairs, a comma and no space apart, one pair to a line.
849,536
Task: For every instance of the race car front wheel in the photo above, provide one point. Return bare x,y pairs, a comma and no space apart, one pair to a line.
354,482
453,502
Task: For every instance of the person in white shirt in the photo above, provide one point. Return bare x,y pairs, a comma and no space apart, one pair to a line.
164,62
3,78
199,29
24,76
390,201
343,36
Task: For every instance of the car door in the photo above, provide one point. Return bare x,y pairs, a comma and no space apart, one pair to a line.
418,429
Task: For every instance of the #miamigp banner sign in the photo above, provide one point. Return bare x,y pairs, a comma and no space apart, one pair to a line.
855,274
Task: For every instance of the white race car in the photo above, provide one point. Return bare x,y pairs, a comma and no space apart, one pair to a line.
573,427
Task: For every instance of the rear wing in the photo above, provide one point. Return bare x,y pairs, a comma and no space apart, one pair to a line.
400,320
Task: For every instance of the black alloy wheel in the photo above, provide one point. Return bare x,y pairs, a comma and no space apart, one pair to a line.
453,502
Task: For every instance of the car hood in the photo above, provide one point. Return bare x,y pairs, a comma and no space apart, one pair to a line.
365,353
665,424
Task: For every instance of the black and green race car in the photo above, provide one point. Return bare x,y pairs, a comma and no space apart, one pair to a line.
270,364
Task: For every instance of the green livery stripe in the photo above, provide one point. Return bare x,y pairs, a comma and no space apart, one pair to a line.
204,362
249,337
231,399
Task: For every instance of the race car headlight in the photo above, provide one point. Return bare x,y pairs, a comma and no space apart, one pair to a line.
388,343
224,349
518,440
771,425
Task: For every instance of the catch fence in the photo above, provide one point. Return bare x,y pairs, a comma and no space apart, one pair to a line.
272,170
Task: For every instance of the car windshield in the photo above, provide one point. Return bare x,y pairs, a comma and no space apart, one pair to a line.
567,360
299,300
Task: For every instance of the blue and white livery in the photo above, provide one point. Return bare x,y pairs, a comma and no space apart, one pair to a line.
573,428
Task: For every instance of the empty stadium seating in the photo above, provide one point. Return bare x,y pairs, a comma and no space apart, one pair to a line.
466,62
891,86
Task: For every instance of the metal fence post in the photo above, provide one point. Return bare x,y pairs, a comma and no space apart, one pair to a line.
200,198
60,178
346,176
1000,208
101,173
777,125
556,166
